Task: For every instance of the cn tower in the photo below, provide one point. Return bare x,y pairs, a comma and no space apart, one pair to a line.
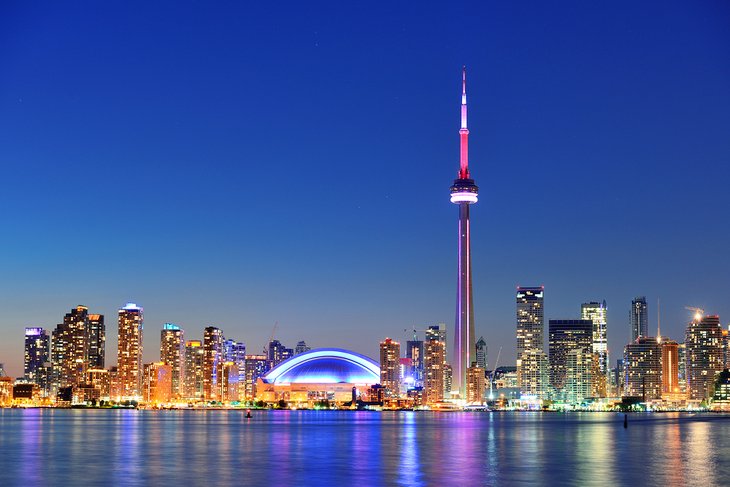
463,193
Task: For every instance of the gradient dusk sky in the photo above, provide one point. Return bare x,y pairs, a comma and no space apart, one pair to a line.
244,163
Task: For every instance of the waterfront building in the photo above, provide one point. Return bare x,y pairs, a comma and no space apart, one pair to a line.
301,347
115,390
639,318
414,352
530,319
434,368
598,314
256,366
565,336
704,355
463,193
530,338
172,353
236,352
100,380
643,369
37,356
97,341
212,363
481,353
532,373
682,367
129,351
448,381
157,383
579,368
721,395
70,348
390,367
323,374
230,381
6,388
670,367
193,377
476,384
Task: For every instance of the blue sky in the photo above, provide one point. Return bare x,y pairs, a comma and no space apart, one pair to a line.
237,165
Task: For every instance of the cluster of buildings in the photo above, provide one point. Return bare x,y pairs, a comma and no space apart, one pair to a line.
67,366
654,371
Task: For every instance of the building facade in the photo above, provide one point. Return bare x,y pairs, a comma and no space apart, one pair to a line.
213,360
172,353
598,314
704,358
643,369
566,336
129,351
390,367
433,380
37,357
639,318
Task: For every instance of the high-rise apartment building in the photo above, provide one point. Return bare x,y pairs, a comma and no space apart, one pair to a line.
37,356
639,318
212,363
414,352
433,380
97,341
670,367
476,384
579,368
236,352
481,353
193,377
172,353
230,390
643,368
157,383
390,366
597,313
530,319
703,340
129,351
532,373
566,336
256,366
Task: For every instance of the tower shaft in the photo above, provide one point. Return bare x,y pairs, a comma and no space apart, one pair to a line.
464,193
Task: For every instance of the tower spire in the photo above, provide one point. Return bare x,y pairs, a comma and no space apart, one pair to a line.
464,132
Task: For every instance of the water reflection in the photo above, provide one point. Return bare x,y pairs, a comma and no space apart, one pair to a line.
126,447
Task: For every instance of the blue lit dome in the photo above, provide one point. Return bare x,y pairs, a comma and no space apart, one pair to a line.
325,366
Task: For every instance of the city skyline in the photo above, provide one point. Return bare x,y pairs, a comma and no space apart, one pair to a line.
154,164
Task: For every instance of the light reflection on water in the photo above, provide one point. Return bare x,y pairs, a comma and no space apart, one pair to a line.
127,447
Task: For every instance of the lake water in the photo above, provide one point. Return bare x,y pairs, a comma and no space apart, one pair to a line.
128,447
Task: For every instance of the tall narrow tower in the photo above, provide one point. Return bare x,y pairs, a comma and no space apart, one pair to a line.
463,193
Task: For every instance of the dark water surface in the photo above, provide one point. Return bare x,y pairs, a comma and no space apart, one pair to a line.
127,447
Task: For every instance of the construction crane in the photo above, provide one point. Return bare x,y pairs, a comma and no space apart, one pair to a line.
491,378
699,312
273,332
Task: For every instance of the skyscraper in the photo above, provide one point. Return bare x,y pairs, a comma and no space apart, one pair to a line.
434,368
212,363
533,373
643,368
566,336
530,339
530,319
37,354
97,341
476,384
256,366
129,351
639,318
670,367
157,383
481,353
236,352
703,340
278,353
172,353
390,366
414,352
597,313
463,193
193,377
70,348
